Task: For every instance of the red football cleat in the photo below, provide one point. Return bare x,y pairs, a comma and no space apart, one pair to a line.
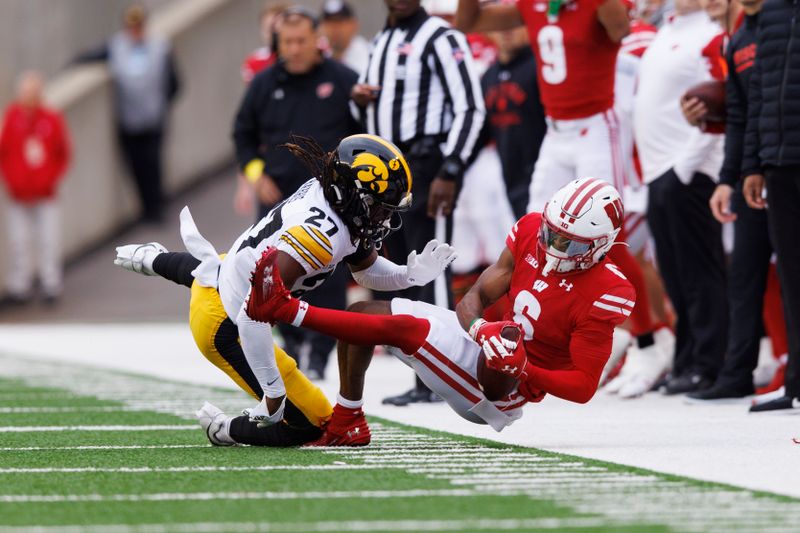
347,427
270,300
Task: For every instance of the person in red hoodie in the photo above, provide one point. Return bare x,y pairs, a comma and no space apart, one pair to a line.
34,154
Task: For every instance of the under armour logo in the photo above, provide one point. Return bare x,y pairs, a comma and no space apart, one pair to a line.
508,369
565,285
353,432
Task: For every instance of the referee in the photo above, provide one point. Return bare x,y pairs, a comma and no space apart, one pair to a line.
421,91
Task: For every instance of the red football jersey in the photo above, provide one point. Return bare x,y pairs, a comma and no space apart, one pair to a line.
568,319
577,59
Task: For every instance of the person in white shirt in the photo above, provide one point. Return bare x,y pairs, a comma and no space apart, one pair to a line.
680,165
340,28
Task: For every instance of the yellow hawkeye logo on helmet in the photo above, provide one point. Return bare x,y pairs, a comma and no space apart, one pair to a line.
372,170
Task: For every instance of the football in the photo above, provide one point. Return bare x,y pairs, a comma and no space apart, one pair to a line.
711,93
497,385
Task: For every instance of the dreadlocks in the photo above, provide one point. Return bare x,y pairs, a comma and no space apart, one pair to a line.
318,161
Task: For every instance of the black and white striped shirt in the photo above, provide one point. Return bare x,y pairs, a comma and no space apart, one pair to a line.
429,85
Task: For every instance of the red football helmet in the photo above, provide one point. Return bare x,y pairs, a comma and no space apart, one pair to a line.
579,225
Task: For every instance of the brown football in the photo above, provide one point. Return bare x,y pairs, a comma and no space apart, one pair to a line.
711,93
496,385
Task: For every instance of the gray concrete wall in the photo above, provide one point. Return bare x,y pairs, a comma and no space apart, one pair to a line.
210,38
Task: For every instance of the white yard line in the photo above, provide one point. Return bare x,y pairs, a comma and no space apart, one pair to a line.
147,469
34,429
204,496
72,409
108,447
328,526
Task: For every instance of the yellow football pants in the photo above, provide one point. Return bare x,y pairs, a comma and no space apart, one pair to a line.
217,338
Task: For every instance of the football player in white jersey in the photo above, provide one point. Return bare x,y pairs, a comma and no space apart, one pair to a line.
342,214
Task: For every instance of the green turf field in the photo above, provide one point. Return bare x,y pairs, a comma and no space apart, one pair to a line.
84,449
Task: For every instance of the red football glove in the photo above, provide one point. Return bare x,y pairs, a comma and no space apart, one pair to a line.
500,344
269,299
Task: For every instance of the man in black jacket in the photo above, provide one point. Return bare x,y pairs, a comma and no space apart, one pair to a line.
750,259
772,161
303,94
515,116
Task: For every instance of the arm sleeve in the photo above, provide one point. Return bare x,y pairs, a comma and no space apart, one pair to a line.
246,136
751,161
383,275
590,347
308,246
458,76
735,122
257,345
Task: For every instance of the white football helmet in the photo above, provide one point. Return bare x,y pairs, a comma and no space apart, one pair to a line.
579,225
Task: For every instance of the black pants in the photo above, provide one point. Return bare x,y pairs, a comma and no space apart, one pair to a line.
143,155
690,258
424,160
783,197
747,281
332,294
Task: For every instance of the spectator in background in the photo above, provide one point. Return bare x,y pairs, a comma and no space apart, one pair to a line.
420,90
34,154
515,116
771,164
145,83
244,200
340,28
304,93
680,165
750,258
267,54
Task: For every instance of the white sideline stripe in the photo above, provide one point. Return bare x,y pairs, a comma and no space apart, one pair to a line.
29,429
354,525
148,469
612,308
87,409
110,447
203,496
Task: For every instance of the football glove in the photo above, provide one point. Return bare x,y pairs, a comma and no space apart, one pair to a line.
425,267
261,414
503,353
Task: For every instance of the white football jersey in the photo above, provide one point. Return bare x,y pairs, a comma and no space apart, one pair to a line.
305,227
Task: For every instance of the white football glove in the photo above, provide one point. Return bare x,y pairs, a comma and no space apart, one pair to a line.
139,257
261,414
425,267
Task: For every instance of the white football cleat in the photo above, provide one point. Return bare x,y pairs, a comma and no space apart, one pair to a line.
619,346
215,423
139,257
644,366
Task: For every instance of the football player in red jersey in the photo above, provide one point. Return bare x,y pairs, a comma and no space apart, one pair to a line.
576,44
566,296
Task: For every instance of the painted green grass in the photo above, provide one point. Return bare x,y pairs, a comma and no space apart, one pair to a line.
242,495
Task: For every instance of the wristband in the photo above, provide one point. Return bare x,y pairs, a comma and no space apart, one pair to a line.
254,170
474,326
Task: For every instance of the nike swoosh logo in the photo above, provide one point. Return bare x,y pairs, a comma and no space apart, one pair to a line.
269,383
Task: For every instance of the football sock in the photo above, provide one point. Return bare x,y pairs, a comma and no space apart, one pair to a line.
641,321
403,331
176,267
645,340
243,431
349,404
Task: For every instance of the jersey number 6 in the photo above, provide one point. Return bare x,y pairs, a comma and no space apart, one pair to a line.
551,52
526,311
